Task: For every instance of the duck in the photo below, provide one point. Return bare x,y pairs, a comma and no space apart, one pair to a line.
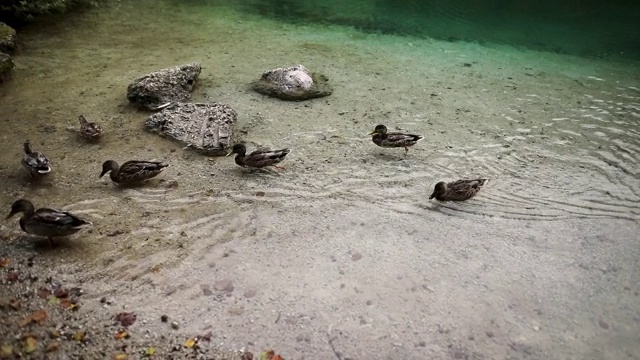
35,162
89,130
459,190
383,138
46,222
133,171
259,158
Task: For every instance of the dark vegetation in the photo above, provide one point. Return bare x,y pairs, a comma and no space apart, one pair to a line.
16,12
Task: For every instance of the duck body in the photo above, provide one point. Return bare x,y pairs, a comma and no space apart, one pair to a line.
458,190
46,222
89,130
381,137
134,171
35,162
259,158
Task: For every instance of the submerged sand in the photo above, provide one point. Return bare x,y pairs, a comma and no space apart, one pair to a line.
343,256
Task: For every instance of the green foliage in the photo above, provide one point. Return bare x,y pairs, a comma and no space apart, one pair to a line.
28,9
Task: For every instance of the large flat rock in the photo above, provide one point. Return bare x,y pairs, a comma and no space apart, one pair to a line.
206,128
166,85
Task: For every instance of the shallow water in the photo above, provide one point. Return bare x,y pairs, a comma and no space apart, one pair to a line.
344,241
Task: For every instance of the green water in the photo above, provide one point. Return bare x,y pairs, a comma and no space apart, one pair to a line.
586,28
344,242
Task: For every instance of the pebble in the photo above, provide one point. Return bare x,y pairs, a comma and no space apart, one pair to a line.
175,325
164,318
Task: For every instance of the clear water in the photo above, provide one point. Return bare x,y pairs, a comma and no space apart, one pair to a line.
344,241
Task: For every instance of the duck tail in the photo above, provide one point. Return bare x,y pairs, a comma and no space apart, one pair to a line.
27,147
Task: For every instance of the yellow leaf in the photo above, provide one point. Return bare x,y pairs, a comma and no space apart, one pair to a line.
190,343
122,335
267,355
121,357
53,300
4,262
30,344
6,351
79,336
150,351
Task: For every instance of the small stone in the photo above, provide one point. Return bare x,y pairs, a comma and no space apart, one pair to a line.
250,293
422,343
175,325
356,256
603,324
164,318
490,334
206,290
169,290
223,285
536,328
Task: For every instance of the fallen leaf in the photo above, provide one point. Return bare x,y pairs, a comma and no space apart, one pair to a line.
30,344
156,269
44,293
61,293
53,346
12,276
190,343
37,317
277,357
54,333
4,262
207,336
260,193
267,355
79,336
53,300
68,305
6,351
121,357
247,355
150,351
15,304
122,335
126,319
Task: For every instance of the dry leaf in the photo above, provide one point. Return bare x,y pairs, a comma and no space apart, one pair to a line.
30,344
79,336
277,357
122,335
38,317
55,333
68,305
53,300
4,262
121,357
6,351
156,269
150,351
61,293
267,355
126,319
190,343
53,346
44,293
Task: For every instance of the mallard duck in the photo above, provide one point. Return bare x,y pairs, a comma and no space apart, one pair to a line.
89,130
36,162
46,222
133,171
258,158
382,138
458,190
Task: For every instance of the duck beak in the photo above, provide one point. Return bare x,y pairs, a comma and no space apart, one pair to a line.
432,195
10,214
372,133
230,152
102,173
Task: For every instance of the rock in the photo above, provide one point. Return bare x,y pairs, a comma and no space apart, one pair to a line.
206,128
294,83
175,325
163,86
7,38
6,65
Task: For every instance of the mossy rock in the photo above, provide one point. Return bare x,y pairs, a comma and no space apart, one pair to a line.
6,65
7,38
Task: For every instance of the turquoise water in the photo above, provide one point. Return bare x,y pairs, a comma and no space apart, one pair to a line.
344,243
585,28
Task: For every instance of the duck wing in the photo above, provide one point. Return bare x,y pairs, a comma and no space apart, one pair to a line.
136,170
262,158
400,139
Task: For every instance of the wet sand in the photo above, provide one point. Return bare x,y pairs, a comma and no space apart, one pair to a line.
344,245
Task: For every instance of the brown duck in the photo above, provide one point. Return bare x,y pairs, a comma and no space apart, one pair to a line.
383,138
258,158
131,172
458,190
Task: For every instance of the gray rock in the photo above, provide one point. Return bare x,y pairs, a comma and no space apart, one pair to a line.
6,65
162,86
206,128
7,38
294,83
